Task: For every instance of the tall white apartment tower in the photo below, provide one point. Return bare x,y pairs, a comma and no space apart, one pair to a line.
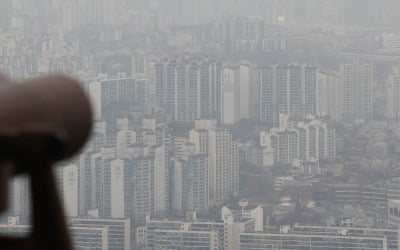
223,166
357,79
393,95
188,89
239,95
199,138
177,86
329,94
70,190
117,188
160,179
143,198
287,89
150,183
190,183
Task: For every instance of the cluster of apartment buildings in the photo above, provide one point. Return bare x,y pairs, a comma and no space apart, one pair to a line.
190,87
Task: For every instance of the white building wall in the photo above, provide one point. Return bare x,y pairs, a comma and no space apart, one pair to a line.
177,188
268,157
228,97
212,171
94,89
393,95
258,215
160,185
194,137
229,111
117,189
200,140
70,190
244,91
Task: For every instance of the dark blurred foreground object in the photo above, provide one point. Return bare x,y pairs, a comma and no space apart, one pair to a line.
42,121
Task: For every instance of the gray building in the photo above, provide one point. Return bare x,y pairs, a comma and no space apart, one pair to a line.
289,89
188,89
118,230
95,237
253,241
357,81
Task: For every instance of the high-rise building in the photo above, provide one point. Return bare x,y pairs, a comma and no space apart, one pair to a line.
268,99
140,65
305,140
151,183
329,94
199,138
190,188
223,155
240,33
118,188
229,92
94,91
393,95
160,179
288,89
93,180
188,89
357,84
127,187
105,171
144,191
121,91
223,166
70,190
238,92
250,32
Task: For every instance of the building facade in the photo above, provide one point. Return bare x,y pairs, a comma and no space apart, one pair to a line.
288,89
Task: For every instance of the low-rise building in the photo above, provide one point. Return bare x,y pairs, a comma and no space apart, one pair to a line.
255,241
96,237
119,230
223,234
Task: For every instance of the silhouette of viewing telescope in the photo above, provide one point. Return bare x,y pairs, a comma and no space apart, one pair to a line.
42,121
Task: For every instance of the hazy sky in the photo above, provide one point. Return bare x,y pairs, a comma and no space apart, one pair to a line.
352,12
